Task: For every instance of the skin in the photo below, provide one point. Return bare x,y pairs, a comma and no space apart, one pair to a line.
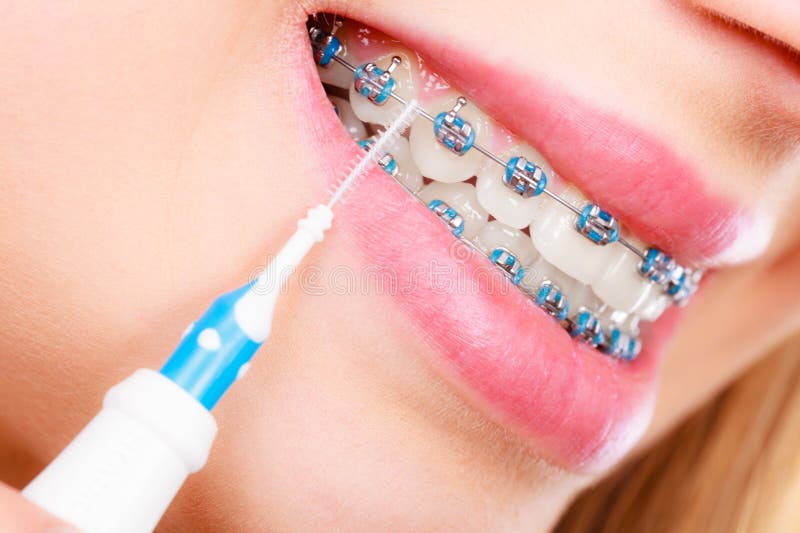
147,165
18,514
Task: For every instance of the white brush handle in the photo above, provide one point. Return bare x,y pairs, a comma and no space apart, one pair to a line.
124,468
122,471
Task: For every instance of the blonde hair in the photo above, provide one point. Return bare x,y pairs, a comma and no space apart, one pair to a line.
732,467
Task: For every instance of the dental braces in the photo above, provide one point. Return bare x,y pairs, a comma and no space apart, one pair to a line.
584,325
385,160
527,179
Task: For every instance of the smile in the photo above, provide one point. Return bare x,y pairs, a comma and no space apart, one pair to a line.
601,230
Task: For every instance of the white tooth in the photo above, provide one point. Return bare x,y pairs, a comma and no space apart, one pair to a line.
437,162
555,237
407,172
620,285
540,271
354,127
462,198
334,73
496,197
654,304
577,294
497,235
404,77
580,295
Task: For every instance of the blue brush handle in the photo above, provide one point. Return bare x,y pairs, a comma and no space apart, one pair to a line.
216,349
213,353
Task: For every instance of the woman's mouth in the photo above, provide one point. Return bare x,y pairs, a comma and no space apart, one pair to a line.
569,237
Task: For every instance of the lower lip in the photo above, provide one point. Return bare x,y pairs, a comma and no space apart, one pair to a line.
578,408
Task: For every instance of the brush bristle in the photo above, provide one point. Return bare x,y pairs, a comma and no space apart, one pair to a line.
359,165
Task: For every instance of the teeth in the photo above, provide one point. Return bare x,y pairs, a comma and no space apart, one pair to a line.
404,76
540,271
495,237
581,295
354,127
577,294
620,285
436,161
555,237
601,279
462,198
407,172
498,199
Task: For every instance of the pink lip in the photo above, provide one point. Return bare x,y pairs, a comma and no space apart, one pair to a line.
578,408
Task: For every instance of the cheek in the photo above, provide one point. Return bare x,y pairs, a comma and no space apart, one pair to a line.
732,322
98,121
131,189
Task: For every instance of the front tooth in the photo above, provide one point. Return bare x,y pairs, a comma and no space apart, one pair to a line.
404,75
434,160
354,127
462,198
501,201
495,237
555,237
407,172
620,285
